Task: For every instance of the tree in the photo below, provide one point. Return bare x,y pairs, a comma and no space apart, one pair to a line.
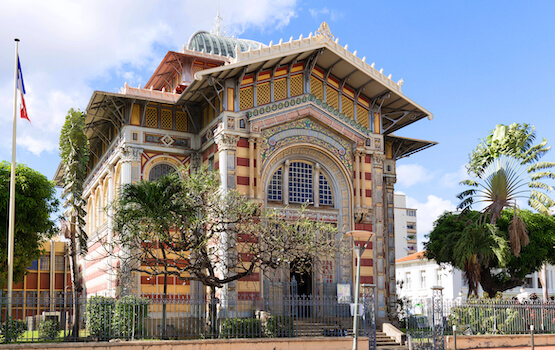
482,251
74,154
35,202
184,226
507,166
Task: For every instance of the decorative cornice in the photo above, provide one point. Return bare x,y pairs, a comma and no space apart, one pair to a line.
131,154
304,99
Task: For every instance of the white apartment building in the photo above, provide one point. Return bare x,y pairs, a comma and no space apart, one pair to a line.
416,276
405,227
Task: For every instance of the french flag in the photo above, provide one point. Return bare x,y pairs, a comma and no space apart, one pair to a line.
21,88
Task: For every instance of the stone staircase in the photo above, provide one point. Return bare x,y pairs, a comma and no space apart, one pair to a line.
310,328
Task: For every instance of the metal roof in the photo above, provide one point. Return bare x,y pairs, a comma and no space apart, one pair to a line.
220,45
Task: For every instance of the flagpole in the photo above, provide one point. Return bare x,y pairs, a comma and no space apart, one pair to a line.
11,229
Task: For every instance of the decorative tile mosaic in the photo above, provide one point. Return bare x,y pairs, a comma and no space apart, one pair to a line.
305,131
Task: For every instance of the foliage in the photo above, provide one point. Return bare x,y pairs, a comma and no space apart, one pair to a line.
74,154
241,328
498,316
278,326
456,238
35,202
507,167
130,313
188,217
12,329
98,316
48,329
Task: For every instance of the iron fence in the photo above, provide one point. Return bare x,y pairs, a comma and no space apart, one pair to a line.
173,317
427,320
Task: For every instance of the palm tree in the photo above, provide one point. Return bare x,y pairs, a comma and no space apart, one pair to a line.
507,166
149,215
74,153
478,246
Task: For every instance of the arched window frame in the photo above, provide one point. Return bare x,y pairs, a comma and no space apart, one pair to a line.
150,178
279,185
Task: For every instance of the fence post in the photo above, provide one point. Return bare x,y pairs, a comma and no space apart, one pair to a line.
437,318
532,335
455,337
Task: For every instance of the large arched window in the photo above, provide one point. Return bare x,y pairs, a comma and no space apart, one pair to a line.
160,170
299,182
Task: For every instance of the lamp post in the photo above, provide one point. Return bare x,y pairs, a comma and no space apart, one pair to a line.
359,250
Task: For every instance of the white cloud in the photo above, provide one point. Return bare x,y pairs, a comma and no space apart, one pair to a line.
452,180
427,213
69,48
325,12
411,174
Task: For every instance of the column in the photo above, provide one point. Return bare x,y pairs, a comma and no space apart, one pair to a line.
285,186
227,146
252,142
129,285
111,273
316,185
378,224
357,179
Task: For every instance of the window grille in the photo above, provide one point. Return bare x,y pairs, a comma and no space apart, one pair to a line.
297,85
363,116
332,97
347,107
300,183
167,122
326,197
181,121
246,99
280,89
317,88
275,187
159,171
151,117
263,93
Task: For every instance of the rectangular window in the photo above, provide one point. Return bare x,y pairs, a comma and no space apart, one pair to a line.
423,279
60,263
411,225
45,262
411,212
408,280
528,282
438,277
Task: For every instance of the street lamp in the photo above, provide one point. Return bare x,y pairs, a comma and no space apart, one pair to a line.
359,250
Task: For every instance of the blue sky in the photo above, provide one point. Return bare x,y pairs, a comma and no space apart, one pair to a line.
473,64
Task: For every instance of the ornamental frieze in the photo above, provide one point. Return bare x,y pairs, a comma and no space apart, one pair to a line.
305,131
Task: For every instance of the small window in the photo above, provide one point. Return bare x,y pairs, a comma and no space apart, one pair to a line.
60,263
423,279
45,263
411,212
408,280
159,171
528,282
411,226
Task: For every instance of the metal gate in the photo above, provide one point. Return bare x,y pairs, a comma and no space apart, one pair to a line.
425,322
369,315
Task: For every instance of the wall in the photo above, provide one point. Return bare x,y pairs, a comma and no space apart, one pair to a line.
496,341
218,344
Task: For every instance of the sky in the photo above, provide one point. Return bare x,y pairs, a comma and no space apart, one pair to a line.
473,64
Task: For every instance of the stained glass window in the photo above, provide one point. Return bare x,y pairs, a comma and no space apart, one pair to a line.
159,171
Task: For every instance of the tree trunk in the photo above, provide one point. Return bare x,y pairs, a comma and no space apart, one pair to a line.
212,313
76,284
491,287
164,301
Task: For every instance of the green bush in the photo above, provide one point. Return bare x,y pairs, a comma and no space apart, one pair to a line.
99,315
129,317
241,328
12,329
279,327
48,330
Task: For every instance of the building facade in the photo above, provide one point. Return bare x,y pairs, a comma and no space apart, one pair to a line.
405,227
300,120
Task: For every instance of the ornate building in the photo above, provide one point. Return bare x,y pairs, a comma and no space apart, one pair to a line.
299,120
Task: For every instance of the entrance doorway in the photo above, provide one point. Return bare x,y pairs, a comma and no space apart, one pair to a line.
301,273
